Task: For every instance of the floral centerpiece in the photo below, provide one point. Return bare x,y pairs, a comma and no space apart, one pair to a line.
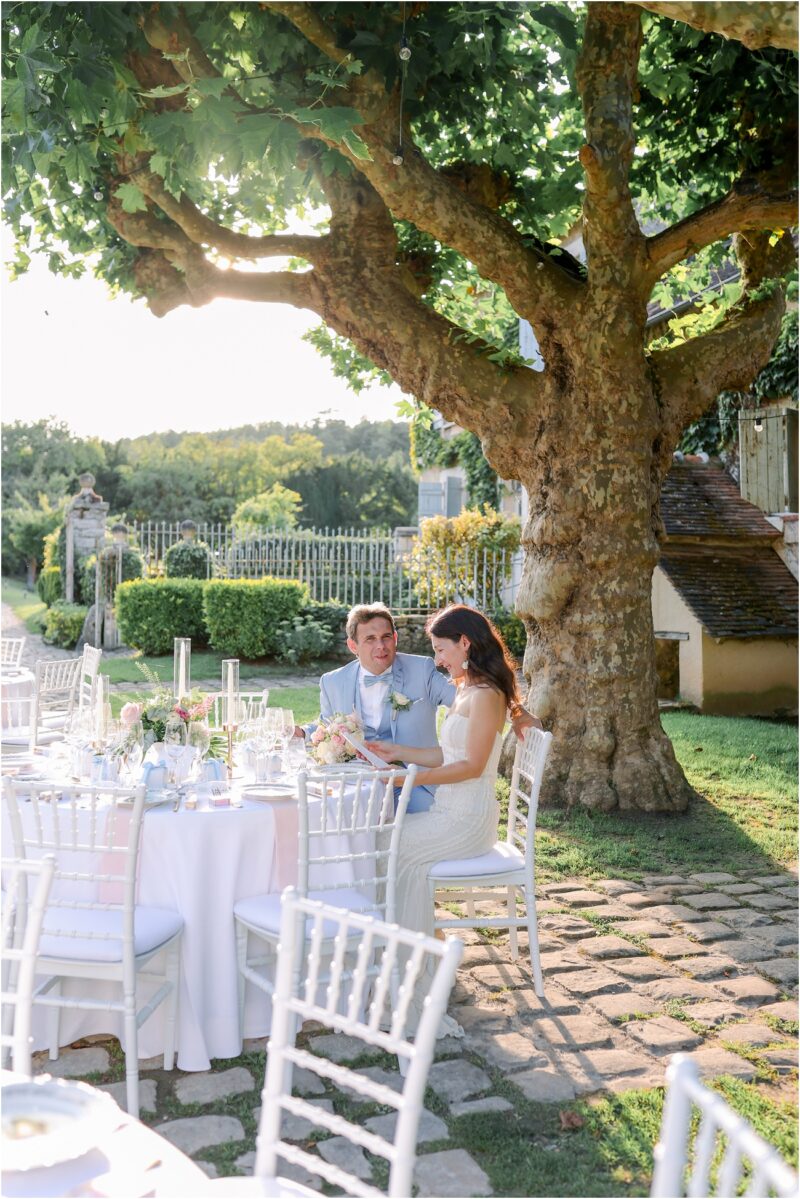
328,746
160,708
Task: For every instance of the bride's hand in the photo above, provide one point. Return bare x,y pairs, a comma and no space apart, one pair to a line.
382,749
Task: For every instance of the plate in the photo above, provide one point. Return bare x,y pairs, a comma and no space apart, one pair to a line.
340,768
50,1121
265,792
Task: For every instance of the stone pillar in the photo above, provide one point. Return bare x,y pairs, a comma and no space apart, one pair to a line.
188,530
85,526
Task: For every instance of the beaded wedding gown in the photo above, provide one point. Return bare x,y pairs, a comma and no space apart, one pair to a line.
462,823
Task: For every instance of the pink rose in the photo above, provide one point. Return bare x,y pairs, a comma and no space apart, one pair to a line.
337,740
131,713
318,735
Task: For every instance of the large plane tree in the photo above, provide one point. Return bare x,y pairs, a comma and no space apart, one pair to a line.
415,165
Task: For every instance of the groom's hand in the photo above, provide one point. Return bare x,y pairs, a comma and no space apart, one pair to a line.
522,720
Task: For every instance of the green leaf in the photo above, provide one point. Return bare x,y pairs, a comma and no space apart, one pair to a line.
357,146
131,198
158,93
42,60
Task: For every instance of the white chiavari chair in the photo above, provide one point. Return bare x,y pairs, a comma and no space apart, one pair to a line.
725,1145
23,910
93,928
11,650
510,864
356,828
54,699
87,677
346,1009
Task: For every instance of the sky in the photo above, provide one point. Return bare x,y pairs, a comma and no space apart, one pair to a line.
110,369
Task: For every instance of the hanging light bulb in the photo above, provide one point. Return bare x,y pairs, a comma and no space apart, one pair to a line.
758,424
405,49
98,195
397,158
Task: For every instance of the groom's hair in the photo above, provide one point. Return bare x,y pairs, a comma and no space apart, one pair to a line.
362,613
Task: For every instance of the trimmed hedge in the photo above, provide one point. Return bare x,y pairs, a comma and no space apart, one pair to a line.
242,615
49,585
187,560
63,623
151,612
512,630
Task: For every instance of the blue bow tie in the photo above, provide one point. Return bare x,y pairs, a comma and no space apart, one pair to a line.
371,679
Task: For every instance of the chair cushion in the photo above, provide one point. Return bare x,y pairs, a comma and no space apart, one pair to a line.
62,928
499,860
264,911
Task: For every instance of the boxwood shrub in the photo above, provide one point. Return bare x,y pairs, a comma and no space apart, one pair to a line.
49,585
63,623
242,615
151,612
187,560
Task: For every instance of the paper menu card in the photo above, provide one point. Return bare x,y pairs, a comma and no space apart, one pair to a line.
360,748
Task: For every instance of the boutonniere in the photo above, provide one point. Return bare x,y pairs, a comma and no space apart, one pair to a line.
400,702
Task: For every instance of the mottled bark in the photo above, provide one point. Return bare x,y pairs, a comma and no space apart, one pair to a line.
755,23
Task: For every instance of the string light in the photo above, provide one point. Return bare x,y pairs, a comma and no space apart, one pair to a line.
758,424
404,54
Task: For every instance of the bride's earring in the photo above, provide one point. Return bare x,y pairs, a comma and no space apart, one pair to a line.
465,664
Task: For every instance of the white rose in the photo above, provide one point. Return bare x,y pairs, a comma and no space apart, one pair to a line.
399,698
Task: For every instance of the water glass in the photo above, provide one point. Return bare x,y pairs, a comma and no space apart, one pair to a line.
174,743
294,756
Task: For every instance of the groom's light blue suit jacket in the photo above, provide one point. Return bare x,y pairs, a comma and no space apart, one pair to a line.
415,677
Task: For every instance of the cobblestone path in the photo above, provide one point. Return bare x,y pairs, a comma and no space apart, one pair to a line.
704,964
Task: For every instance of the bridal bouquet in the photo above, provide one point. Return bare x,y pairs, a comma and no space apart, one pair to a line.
328,746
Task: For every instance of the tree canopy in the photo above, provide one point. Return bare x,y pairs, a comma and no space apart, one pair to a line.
408,171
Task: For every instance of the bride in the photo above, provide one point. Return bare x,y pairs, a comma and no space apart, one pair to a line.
463,820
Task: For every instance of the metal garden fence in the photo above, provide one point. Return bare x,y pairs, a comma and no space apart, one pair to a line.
347,566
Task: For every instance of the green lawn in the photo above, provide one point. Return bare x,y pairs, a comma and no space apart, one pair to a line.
744,816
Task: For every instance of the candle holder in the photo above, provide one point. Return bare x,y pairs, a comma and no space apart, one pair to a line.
230,692
181,667
230,730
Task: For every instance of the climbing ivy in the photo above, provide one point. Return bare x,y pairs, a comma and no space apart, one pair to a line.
717,429
429,448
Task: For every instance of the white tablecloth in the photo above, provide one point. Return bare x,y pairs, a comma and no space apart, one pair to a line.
199,863
16,688
129,1159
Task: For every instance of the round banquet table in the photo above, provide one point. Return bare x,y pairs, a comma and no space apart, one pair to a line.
200,863
16,689
128,1158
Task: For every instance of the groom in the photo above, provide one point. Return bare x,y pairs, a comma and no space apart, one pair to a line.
396,696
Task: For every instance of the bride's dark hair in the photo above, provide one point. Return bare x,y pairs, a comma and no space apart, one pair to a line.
489,659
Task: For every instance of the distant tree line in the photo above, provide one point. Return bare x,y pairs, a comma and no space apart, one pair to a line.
344,476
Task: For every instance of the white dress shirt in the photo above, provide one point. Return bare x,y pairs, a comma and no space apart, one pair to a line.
373,699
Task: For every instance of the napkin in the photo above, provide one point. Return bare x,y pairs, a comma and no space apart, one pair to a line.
155,772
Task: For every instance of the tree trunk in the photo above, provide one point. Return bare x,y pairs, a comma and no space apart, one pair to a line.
591,546
31,565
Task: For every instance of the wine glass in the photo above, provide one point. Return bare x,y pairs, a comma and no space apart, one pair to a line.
174,743
198,736
133,750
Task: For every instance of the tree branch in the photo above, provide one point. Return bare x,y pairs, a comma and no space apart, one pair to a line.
690,376
606,76
746,206
755,25
202,230
173,270
414,191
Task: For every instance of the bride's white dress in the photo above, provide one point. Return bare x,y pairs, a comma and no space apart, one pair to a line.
462,823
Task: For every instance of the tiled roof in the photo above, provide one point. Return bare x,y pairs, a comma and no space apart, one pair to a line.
744,592
700,499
